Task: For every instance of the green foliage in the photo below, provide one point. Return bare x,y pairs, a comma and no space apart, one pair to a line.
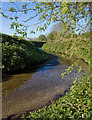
32,32
63,30
75,105
42,38
52,35
67,71
11,9
74,47
20,54
69,13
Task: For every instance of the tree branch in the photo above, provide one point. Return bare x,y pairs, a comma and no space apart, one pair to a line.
19,10
36,23
30,18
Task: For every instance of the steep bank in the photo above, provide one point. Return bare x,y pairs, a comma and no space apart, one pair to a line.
76,47
18,55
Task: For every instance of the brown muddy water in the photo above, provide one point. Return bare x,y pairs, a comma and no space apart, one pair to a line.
33,90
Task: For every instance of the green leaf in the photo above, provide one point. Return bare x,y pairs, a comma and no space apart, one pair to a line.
11,9
32,32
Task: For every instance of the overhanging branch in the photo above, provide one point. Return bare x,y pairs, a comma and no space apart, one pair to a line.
30,18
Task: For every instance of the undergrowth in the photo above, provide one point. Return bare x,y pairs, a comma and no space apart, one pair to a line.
78,47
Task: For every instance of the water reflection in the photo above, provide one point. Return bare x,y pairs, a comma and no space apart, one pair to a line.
30,91
50,64
79,63
11,82
14,81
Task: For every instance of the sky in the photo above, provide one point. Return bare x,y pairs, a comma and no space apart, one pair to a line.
5,23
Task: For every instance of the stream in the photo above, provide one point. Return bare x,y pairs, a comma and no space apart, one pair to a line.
33,90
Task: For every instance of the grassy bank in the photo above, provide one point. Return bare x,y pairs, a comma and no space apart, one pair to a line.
76,47
75,105
18,55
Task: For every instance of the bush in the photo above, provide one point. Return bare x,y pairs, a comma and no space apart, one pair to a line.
52,35
20,54
42,38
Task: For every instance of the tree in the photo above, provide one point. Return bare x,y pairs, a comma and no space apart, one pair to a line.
62,32
66,12
57,27
42,38
52,35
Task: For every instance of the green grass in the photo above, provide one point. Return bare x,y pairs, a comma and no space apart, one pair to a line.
18,55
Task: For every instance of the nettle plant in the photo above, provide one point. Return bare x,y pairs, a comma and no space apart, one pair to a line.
79,97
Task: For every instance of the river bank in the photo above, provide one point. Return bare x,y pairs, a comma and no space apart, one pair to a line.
19,54
76,104
36,89
74,47
29,88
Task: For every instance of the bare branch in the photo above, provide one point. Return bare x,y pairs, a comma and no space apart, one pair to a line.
15,4
30,18
19,10
36,23
40,21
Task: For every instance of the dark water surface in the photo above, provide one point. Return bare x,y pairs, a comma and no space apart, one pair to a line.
33,90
